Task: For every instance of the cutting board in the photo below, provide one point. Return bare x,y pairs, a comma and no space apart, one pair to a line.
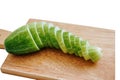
53,64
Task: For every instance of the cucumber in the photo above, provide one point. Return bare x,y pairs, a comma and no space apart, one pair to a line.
59,35
52,33
95,53
49,36
34,33
41,33
84,48
72,38
20,42
79,48
46,30
76,42
66,38
35,36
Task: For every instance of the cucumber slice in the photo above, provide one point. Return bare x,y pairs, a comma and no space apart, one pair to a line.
72,38
76,45
84,48
49,36
20,42
66,38
79,47
46,29
41,33
95,53
41,44
32,28
70,41
52,33
59,35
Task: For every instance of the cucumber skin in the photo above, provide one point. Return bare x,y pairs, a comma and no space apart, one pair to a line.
19,42
22,41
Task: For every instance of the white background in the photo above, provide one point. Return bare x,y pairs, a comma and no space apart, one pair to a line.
97,13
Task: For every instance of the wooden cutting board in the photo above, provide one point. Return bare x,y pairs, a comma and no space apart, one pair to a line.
52,64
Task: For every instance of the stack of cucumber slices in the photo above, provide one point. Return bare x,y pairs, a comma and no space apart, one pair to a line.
35,36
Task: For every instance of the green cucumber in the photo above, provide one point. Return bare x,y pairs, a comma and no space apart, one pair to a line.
76,46
59,35
46,30
34,36
66,37
33,30
20,42
72,38
41,33
84,48
95,53
79,48
52,33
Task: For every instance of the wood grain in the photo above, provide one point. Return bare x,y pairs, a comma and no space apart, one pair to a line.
3,35
53,64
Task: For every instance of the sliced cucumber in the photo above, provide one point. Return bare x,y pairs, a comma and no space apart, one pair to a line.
76,46
41,44
20,42
84,48
66,38
46,30
34,36
49,36
41,33
72,38
59,35
95,53
32,28
79,47
52,33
